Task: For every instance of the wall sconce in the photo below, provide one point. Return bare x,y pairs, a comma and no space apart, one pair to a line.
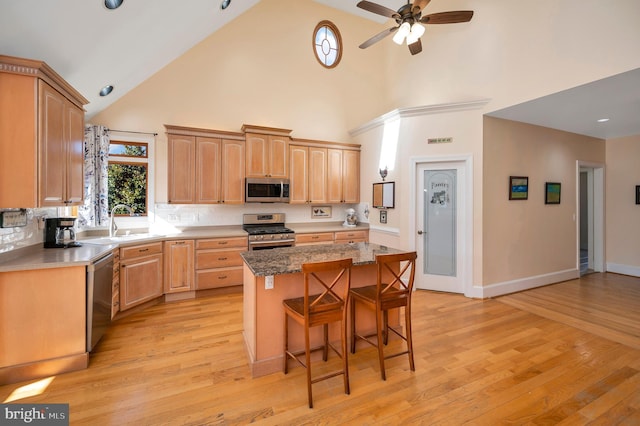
383,173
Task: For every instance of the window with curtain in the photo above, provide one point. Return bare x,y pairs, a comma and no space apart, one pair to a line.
95,209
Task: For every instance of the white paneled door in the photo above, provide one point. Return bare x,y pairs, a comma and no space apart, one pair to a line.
441,226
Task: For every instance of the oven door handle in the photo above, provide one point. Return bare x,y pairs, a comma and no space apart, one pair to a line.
274,243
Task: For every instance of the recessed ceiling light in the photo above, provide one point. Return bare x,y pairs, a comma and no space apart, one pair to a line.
603,120
225,4
106,90
113,4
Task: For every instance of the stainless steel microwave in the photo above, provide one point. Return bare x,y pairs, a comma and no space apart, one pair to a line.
266,190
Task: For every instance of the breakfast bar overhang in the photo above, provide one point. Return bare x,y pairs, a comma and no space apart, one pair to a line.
270,276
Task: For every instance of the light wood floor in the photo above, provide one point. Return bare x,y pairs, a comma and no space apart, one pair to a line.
477,362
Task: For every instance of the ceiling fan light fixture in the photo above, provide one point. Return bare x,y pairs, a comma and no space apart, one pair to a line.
417,30
402,32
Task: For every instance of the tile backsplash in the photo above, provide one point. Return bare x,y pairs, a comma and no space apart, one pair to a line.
23,236
168,217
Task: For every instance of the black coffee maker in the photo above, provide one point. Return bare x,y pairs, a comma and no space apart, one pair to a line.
59,232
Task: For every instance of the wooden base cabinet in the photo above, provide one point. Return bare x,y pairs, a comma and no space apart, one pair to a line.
140,274
43,316
314,239
218,262
115,284
178,266
359,236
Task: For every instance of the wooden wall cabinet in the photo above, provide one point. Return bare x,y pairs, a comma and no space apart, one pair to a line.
343,170
178,266
233,161
308,174
205,166
218,262
140,274
41,136
267,151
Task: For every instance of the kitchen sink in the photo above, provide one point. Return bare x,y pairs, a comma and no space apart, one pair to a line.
120,238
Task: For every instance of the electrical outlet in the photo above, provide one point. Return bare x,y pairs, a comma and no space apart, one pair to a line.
268,282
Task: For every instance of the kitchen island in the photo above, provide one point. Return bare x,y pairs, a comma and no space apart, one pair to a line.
270,276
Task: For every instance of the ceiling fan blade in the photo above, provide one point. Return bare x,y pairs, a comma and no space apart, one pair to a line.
448,17
376,38
419,5
378,9
416,47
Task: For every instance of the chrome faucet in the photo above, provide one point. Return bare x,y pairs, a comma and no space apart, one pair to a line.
113,228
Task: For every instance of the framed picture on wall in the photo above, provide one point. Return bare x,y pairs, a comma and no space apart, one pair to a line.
518,187
637,194
552,193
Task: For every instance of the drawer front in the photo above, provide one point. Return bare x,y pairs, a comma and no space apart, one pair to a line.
352,235
140,250
325,237
207,259
215,278
222,243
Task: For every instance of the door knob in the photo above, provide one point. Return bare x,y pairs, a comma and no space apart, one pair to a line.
419,232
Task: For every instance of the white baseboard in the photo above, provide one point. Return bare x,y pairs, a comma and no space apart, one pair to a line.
499,289
385,230
634,271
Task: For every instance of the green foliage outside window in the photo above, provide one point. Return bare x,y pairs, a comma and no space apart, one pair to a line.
127,182
128,185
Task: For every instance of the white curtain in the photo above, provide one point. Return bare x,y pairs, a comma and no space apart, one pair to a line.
95,210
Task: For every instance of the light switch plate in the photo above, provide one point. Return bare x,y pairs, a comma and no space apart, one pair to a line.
12,219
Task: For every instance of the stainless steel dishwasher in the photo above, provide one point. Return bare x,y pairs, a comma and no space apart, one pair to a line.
99,295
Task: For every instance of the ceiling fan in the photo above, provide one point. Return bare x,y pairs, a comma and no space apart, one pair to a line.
409,19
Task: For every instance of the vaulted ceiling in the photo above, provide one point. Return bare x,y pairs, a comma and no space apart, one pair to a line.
91,46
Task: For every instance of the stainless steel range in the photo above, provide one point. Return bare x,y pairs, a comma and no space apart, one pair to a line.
267,231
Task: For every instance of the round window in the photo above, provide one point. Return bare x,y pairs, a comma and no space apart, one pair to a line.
327,44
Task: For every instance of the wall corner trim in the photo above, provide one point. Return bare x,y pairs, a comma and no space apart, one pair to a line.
418,111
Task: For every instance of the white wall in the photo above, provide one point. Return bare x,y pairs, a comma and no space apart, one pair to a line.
511,52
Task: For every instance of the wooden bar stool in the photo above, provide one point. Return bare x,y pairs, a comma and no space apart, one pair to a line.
333,278
392,290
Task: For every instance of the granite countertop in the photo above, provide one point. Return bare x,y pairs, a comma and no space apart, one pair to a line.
289,260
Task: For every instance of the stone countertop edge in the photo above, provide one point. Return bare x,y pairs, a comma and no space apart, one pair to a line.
307,228
38,257
289,260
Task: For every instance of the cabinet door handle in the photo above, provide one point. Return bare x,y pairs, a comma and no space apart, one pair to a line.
222,277
142,250
222,258
221,243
